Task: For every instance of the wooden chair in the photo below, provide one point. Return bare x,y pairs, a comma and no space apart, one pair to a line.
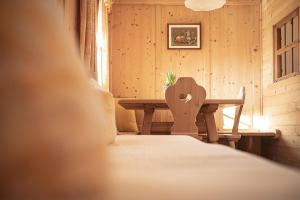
233,136
185,99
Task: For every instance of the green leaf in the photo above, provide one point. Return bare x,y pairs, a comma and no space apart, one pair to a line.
170,79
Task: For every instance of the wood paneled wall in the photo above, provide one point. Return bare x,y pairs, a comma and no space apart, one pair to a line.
229,55
281,100
235,55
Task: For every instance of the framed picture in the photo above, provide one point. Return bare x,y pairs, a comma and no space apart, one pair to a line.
184,36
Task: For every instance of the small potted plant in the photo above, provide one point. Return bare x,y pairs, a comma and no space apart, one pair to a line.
170,80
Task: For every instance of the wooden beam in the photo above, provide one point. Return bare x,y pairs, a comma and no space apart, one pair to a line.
242,2
181,2
150,2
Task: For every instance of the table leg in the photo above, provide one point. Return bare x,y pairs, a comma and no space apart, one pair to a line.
147,123
211,123
249,144
253,145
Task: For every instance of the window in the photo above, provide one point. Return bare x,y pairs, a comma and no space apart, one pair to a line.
102,45
286,46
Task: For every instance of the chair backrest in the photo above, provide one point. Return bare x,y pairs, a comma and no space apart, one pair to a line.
185,99
238,111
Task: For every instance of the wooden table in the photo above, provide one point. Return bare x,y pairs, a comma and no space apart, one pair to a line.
150,105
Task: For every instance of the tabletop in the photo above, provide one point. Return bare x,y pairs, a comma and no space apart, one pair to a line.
161,103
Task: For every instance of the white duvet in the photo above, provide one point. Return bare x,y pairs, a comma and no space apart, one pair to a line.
181,167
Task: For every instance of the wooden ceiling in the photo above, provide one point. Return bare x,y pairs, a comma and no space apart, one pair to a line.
181,2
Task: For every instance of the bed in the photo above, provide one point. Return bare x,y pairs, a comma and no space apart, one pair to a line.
181,167
56,131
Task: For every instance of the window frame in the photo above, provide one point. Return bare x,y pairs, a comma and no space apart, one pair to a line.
277,76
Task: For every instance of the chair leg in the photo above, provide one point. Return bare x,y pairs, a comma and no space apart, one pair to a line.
232,144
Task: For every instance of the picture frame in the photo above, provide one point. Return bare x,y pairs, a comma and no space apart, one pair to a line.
184,36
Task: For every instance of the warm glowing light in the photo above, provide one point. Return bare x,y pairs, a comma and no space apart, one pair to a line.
228,119
261,122
102,61
100,44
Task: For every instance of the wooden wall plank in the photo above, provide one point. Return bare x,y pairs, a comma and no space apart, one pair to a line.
227,49
133,51
281,100
235,53
192,63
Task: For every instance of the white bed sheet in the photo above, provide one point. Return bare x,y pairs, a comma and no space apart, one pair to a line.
181,167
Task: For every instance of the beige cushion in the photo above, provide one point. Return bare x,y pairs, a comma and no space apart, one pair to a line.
108,103
125,119
49,116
